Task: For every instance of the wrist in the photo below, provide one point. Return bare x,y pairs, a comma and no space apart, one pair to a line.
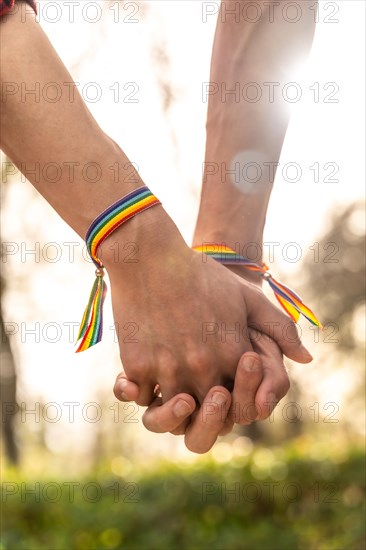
250,248
243,273
143,241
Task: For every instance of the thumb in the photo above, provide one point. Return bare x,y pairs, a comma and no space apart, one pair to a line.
268,319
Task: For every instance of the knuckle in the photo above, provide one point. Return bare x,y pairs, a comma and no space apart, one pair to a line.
198,361
168,366
139,367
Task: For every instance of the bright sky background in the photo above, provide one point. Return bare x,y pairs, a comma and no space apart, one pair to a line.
169,151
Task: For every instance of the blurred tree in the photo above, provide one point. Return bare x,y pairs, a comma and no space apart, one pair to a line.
11,278
334,280
9,407
338,282
8,377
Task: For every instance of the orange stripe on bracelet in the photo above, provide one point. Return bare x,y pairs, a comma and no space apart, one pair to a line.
91,327
290,302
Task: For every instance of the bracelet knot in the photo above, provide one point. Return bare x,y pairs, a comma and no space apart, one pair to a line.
91,327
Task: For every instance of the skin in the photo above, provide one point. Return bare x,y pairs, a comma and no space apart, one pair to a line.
170,293
261,381
232,212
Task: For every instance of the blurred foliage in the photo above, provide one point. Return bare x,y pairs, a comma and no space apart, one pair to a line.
338,279
8,375
279,499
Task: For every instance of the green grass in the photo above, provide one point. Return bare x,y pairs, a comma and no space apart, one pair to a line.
302,503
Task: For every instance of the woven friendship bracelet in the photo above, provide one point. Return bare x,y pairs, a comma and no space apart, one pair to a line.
91,328
291,302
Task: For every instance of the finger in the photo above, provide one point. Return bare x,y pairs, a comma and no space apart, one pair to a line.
272,390
170,389
167,395
275,383
208,421
268,319
248,378
181,429
228,426
126,390
162,417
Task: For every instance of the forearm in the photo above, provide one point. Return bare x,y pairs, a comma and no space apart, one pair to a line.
57,144
245,137
60,147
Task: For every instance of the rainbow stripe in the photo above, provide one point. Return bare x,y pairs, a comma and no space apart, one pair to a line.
91,327
118,213
289,300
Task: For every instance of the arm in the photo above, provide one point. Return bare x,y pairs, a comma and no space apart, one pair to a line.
233,210
169,293
243,135
61,138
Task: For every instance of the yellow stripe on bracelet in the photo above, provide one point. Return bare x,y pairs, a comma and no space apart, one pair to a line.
91,327
290,302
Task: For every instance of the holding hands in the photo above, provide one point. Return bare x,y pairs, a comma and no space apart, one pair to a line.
197,364
209,346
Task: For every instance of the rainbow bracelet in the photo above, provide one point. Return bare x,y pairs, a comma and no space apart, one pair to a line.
291,302
91,328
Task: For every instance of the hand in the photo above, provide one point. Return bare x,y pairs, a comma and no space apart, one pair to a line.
180,415
265,371
275,382
172,297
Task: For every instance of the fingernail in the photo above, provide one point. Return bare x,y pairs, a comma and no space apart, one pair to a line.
182,408
250,363
219,398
